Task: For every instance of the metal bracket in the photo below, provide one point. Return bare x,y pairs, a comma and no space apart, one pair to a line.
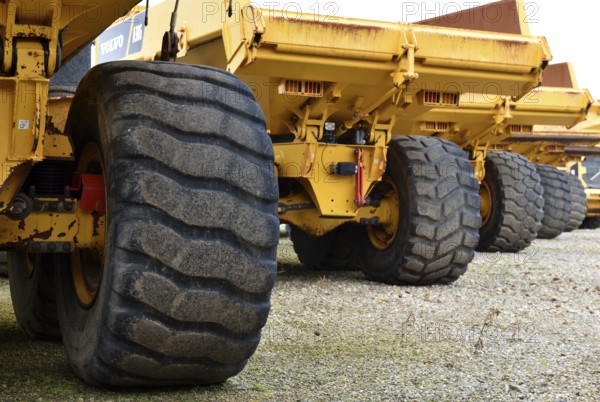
36,28
93,196
478,157
504,115
401,80
501,121
309,128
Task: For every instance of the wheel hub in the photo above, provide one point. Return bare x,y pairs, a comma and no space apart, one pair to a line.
382,236
87,266
486,202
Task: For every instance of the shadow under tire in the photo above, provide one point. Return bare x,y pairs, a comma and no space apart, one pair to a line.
590,223
578,203
192,229
334,251
439,215
516,200
33,295
557,201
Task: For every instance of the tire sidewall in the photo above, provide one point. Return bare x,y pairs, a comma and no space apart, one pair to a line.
83,328
30,295
490,230
22,287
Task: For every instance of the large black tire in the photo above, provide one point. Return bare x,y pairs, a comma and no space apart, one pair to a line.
335,251
192,229
31,279
3,266
590,223
578,203
557,201
439,215
517,203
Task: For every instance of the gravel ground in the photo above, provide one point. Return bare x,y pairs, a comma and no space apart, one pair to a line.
523,326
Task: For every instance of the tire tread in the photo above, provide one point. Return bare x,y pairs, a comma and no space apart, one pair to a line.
172,218
557,201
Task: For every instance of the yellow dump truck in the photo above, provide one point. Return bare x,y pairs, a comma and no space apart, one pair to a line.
575,150
154,195
589,173
322,243
589,169
517,206
515,209
564,149
562,146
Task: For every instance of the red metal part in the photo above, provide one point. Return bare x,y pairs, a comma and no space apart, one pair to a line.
360,199
91,186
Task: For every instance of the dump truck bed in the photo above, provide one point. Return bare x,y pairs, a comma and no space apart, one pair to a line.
481,118
357,59
558,145
348,68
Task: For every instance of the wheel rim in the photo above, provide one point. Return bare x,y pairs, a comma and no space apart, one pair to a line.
383,236
486,202
87,269
87,266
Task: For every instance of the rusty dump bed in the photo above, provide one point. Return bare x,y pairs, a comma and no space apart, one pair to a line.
358,64
542,116
442,56
347,69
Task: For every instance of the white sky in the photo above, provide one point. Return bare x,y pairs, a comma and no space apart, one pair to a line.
570,27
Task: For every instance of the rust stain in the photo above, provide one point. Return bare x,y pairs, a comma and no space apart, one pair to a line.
96,217
510,43
45,235
61,235
331,24
22,224
72,224
51,128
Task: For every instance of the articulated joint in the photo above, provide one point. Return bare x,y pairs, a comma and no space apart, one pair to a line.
36,36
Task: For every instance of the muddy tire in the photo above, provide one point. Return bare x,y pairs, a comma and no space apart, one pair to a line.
334,251
515,199
590,223
578,203
439,215
33,295
192,228
557,201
